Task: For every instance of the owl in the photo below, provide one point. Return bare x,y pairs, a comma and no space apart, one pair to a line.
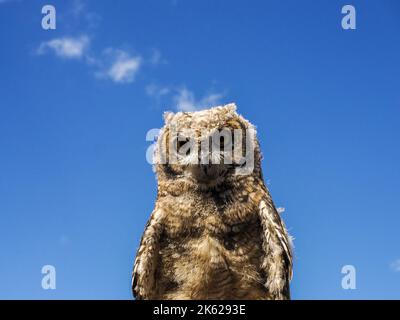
215,232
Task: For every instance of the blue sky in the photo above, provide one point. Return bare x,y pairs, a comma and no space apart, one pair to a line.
76,104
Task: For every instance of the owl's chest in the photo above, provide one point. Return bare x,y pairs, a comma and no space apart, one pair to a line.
191,217
206,246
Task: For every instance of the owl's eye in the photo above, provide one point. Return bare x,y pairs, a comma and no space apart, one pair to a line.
181,146
222,141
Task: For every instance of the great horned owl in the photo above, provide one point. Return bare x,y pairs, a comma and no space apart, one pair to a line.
215,232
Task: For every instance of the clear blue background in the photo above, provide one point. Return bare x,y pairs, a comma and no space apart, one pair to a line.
75,186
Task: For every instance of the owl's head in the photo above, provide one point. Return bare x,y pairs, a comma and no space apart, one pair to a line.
205,148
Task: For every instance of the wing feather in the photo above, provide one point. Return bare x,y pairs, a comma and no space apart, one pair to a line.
143,275
278,258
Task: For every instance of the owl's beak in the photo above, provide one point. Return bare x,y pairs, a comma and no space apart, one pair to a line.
206,172
206,168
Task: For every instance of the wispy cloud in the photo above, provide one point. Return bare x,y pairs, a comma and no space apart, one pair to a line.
182,98
66,47
185,100
78,7
80,16
120,66
114,64
395,265
156,58
157,91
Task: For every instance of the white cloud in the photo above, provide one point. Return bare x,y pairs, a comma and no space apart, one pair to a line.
156,91
185,100
395,265
78,7
80,16
124,69
210,100
156,58
114,64
67,47
121,67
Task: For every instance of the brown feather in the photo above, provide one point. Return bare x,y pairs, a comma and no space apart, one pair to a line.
217,239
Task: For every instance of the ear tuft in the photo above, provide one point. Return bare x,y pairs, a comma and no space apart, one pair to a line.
168,115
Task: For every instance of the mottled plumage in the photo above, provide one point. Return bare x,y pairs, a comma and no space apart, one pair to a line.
213,234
